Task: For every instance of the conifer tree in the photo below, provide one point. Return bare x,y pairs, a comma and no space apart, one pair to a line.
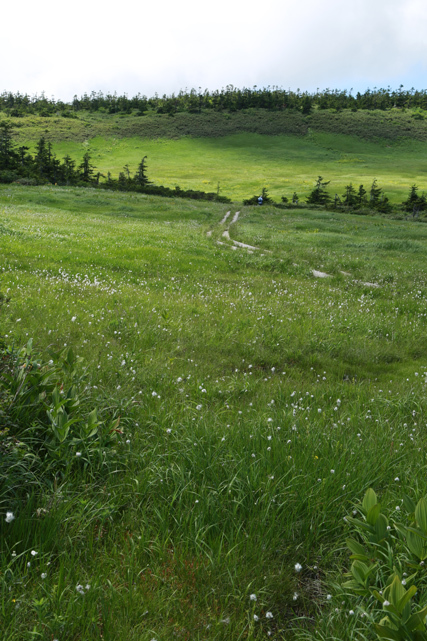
350,196
319,195
68,170
86,169
140,177
8,154
374,194
414,202
361,196
41,159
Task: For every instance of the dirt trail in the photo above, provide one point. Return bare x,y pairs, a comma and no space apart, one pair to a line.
236,242
251,248
226,233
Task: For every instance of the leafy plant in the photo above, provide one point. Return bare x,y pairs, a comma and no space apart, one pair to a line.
387,560
47,414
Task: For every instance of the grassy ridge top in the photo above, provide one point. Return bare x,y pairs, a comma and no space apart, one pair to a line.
389,125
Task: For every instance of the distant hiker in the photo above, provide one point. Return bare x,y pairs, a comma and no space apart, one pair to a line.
260,200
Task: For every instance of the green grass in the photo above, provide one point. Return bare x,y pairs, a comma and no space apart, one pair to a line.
259,403
245,152
244,163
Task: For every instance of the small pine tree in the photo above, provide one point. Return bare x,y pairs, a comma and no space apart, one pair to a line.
68,170
378,200
265,197
414,202
86,169
384,205
8,154
350,196
140,177
41,158
319,195
361,196
374,194
306,104
122,182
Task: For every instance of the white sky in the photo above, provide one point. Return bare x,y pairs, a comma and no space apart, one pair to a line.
165,45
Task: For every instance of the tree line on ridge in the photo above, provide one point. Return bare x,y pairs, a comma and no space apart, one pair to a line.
229,98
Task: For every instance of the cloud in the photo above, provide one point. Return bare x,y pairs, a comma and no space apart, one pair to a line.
149,47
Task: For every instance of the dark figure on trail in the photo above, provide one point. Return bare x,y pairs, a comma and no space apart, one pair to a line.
260,200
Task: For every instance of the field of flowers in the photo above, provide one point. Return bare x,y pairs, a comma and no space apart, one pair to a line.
233,405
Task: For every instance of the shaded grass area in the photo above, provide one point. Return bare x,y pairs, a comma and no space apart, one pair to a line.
260,402
389,125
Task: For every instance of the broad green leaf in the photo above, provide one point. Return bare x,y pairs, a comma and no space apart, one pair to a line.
359,557
417,531
373,514
421,514
371,569
369,500
384,632
92,418
355,547
56,398
397,591
359,571
416,544
378,596
401,529
70,356
351,585
381,527
406,598
360,524
417,620
408,503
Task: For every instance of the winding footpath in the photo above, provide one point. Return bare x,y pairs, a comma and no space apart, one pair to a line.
226,233
251,248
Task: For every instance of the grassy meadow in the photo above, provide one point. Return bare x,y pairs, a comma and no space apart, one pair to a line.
257,402
245,152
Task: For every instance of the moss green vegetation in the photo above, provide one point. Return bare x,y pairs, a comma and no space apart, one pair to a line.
245,152
257,403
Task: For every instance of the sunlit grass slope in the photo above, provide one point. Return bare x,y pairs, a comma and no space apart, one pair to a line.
258,403
245,152
244,163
